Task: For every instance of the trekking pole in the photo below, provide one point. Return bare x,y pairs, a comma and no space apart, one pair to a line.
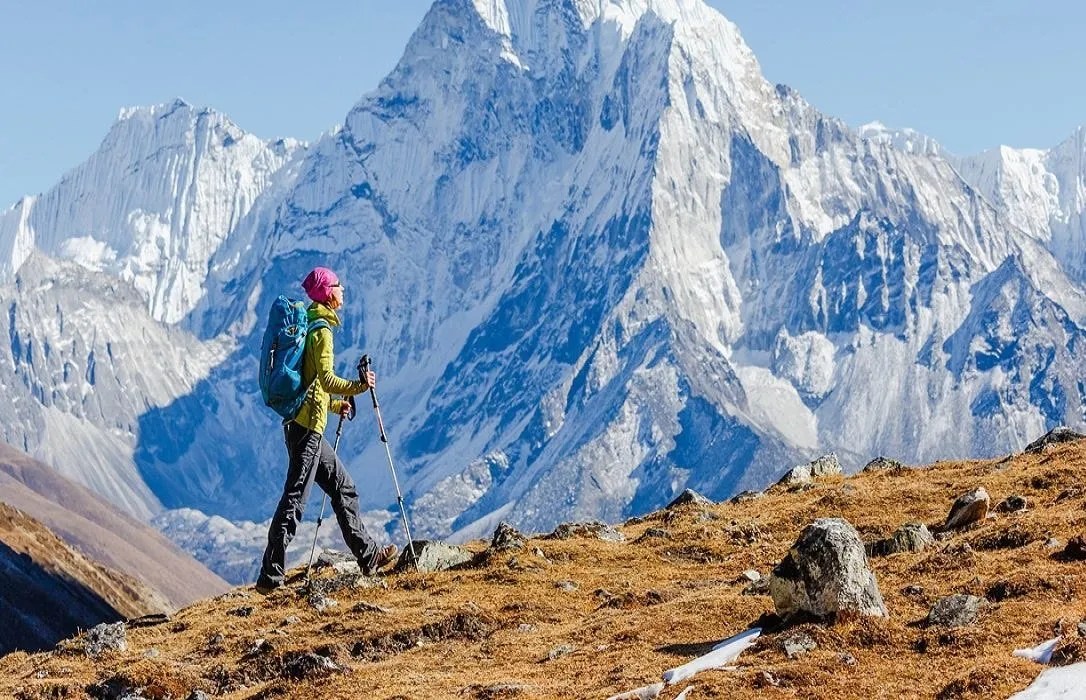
363,367
324,499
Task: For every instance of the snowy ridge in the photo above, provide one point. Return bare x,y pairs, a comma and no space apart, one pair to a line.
597,258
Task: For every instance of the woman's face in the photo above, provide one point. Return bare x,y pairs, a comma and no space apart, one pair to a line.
336,299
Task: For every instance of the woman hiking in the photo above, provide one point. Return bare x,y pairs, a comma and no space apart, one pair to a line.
311,457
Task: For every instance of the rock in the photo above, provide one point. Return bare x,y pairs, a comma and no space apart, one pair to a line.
910,537
587,529
1053,437
105,637
1053,543
244,611
198,695
363,606
1075,549
559,651
689,496
826,572
307,664
433,556
506,538
746,497
1012,504
1081,629
654,533
913,590
847,659
347,568
968,508
330,557
321,602
526,628
148,620
567,586
797,644
826,465
151,653
958,610
292,620
750,576
765,679
883,464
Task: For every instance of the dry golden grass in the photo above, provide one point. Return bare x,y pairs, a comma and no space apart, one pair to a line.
644,606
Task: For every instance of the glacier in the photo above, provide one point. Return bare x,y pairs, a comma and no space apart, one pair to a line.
596,258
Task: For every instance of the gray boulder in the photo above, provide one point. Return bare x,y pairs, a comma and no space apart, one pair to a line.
826,465
968,508
1012,504
957,610
105,637
1053,437
588,529
882,464
826,572
433,556
910,537
689,496
506,538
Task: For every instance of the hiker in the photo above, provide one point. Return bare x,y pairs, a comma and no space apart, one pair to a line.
311,457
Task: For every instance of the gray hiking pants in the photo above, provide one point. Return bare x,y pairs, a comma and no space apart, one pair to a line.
312,459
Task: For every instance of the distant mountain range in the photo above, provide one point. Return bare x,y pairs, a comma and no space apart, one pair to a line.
596,257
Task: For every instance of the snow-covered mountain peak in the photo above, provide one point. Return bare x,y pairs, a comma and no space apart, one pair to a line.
165,189
907,140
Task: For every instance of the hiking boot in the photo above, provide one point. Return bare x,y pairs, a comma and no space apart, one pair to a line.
265,587
381,559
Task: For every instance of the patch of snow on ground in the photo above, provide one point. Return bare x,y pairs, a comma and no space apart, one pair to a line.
1042,653
1065,683
722,654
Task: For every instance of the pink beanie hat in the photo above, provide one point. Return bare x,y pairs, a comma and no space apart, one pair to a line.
318,284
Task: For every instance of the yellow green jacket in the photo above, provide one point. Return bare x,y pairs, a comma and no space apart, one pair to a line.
318,373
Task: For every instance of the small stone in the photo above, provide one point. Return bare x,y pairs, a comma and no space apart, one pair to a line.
105,637
347,568
968,508
750,576
539,554
567,586
798,644
958,610
321,602
308,664
292,620
244,611
1053,543
1075,549
746,497
506,538
525,628
329,558
910,537
368,607
559,651
1081,627
151,653
882,464
198,695
689,496
260,646
587,529
847,659
1012,504
765,679
804,474
654,533
914,591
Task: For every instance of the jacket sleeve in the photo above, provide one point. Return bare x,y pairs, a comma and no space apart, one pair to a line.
326,376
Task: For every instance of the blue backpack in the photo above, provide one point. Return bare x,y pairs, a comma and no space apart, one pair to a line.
281,356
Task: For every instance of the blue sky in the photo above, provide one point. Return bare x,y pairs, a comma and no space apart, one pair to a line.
973,75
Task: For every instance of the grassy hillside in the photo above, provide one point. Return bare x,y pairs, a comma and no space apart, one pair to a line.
588,618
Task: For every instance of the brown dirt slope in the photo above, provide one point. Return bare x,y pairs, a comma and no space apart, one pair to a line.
49,590
585,618
103,533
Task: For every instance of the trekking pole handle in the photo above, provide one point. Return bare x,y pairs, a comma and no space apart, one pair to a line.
363,368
